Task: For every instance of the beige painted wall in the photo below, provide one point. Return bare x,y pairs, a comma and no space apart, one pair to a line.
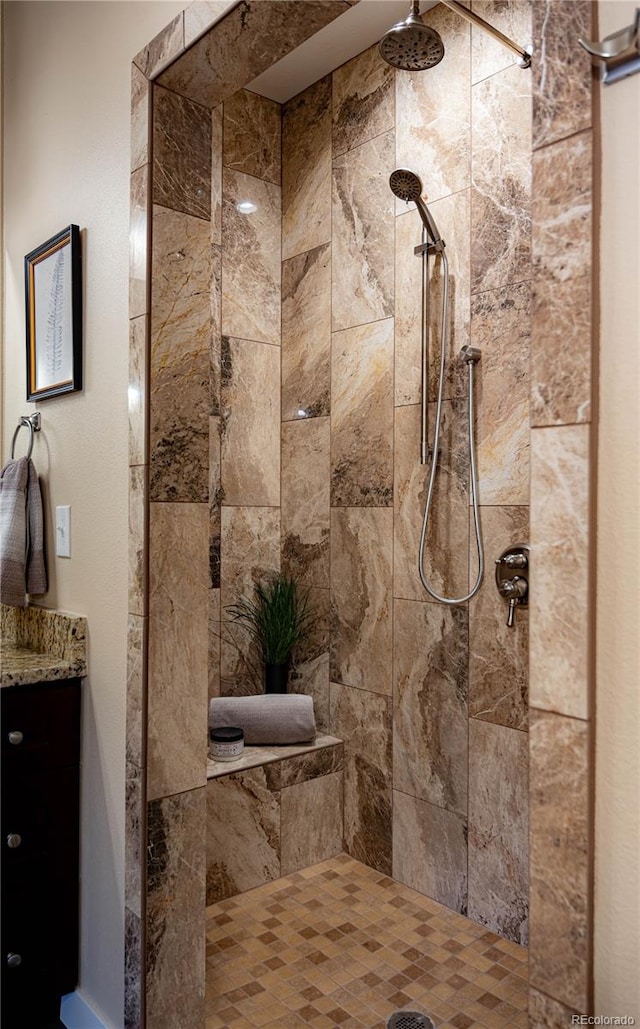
617,910
66,125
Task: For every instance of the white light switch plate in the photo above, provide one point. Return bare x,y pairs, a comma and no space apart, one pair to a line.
63,531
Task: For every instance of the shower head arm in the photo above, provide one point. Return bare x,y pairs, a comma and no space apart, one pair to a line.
475,19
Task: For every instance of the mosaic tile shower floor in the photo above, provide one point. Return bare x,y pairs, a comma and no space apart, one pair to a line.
339,945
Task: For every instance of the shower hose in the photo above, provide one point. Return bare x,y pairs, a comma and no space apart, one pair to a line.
471,357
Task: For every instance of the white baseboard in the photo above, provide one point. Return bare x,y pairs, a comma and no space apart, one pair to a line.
75,1013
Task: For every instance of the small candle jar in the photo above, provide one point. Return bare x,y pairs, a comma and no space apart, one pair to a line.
226,744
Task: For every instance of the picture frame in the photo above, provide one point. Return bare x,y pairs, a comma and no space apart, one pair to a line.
53,295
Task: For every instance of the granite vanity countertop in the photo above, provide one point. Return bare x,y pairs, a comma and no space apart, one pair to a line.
39,645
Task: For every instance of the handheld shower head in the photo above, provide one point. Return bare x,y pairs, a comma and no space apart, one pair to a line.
410,45
406,185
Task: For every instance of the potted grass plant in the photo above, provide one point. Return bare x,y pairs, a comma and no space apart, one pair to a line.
277,619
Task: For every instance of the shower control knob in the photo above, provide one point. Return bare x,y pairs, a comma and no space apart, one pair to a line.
515,590
14,960
16,737
516,560
14,839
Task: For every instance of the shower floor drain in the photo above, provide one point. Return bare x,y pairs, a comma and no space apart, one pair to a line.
409,1020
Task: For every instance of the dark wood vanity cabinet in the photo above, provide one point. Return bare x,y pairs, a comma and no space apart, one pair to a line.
40,836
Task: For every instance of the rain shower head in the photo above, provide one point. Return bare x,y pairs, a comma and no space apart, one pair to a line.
411,45
407,186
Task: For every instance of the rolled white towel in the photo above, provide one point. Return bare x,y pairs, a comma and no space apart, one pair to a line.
266,719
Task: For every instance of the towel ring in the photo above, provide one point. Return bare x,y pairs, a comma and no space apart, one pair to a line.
32,423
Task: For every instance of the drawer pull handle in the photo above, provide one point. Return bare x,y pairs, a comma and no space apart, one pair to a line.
14,839
15,737
14,960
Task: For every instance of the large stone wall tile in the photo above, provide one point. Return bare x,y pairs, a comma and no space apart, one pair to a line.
176,911
363,234
200,16
215,630
215,486
134,829
306,170
361,604
559,867
181,341
430,703
251,269
433,119
559,581
362,100
545,1013
498,656
498,828
247,41
163,48
562,75
178,647
408,317
501,195
138,224
305,500
250,547
243,833
216,174
300,769
446,563
306,334
137,541
181,154
430,850
182,262
310,674
362,416
140,102
363,721
250,396
311,822
252,135
137,391
489,55
135,689
452,216
562,295
500,327
133,970
215,351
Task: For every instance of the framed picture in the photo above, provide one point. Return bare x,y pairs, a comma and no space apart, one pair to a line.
53,291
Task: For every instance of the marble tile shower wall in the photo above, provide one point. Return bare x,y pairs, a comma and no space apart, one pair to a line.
563,374
347,515
431,702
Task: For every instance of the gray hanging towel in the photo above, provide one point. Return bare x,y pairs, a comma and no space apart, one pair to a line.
22,565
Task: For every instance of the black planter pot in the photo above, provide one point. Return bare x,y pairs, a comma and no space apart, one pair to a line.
276,678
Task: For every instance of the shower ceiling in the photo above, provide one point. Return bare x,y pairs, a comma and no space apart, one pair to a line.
355,30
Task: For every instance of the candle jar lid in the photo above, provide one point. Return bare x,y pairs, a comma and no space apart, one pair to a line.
226,734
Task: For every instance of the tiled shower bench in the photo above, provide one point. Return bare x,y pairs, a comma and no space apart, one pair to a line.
271,812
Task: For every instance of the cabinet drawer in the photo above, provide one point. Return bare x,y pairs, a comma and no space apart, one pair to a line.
29,994
40,821
40,726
